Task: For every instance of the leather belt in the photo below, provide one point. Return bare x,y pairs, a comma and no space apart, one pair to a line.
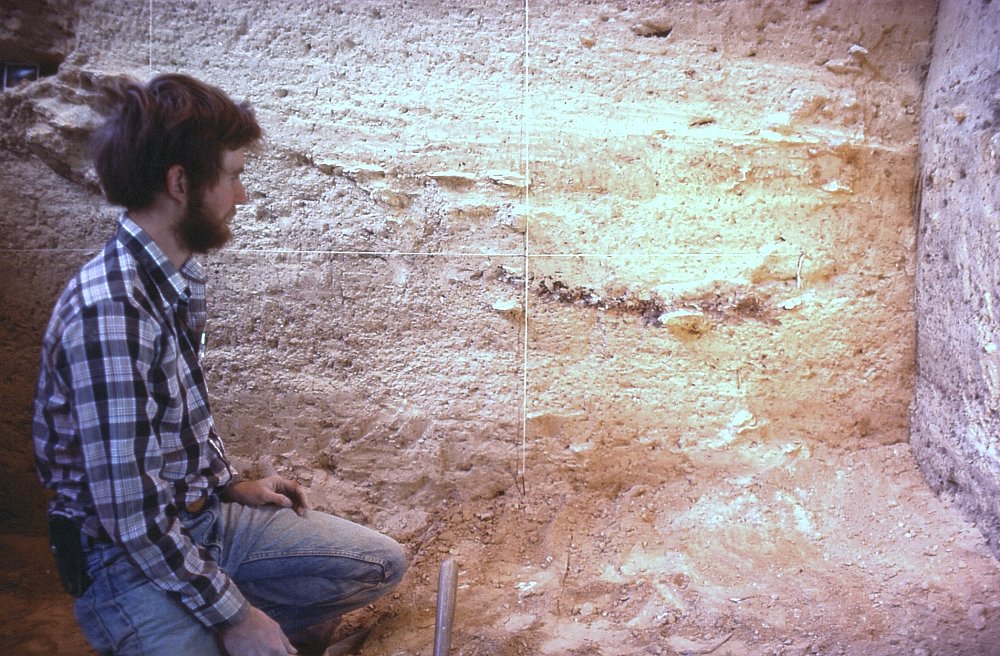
196,506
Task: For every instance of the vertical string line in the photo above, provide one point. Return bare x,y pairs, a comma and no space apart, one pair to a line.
526,157
150,38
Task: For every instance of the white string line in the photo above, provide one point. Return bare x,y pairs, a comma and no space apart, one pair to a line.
526,156
444,254
523,256
150,38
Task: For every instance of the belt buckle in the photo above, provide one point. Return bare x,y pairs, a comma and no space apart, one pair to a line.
195,506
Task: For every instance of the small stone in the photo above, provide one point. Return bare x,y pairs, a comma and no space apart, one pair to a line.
837,187
507,306
453,179
977,615
841,66
685,322
506,179
652,27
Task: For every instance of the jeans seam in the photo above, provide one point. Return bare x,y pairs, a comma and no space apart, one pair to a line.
126,621
91,606
323,553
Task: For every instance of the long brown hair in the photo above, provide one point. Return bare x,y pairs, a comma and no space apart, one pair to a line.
172,119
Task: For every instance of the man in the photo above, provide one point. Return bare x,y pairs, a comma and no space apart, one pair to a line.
166,549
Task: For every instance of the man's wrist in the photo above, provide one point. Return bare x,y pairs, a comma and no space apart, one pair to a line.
225,492
229,608
236,618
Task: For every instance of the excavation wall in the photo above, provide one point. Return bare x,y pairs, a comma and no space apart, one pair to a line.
956,412
714,254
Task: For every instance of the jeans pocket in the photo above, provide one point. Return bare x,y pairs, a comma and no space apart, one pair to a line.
204,530
123,575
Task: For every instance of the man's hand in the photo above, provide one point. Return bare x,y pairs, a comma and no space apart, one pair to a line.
256,635
273,489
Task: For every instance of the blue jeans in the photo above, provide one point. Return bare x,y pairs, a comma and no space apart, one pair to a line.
299,570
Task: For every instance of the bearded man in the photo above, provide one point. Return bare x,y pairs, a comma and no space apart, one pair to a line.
166,550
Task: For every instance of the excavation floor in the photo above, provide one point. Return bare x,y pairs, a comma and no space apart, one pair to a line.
821,553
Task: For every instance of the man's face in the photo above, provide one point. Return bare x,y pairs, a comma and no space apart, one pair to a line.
205,224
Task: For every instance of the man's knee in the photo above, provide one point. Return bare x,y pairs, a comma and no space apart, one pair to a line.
396,563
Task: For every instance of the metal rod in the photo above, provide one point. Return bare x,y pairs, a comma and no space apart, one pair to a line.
447,591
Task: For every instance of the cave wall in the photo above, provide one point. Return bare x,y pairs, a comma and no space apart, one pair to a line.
704,210
956,409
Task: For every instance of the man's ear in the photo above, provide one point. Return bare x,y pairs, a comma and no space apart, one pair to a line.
177,184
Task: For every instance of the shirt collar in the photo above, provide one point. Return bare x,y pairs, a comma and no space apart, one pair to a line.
175,285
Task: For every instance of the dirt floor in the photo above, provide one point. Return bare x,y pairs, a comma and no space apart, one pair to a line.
807,551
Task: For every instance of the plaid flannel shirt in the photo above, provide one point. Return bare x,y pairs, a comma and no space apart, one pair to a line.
123,432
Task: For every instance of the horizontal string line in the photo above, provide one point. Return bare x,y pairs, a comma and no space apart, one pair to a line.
455,254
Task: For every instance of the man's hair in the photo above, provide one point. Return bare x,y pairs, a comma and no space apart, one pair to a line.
172,119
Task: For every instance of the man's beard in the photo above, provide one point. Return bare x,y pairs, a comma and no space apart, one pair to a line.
200,232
